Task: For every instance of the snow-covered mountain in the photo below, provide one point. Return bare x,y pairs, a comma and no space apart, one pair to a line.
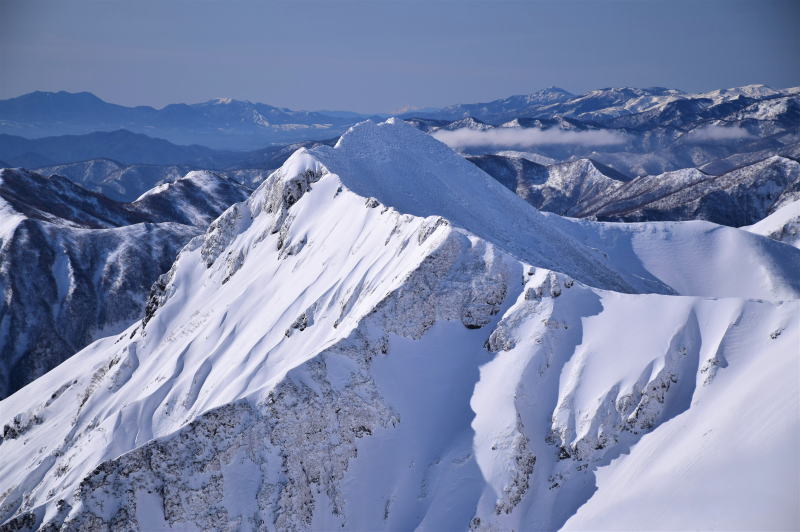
76,266
384,337
115,180
587,189
640,131
567,188
513,105
197,198
126,182
617,106
736,198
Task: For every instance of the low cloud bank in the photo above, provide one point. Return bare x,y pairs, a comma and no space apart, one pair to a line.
712,133
524,137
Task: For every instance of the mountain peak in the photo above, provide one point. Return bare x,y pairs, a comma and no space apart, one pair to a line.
551,91
403,169
411,171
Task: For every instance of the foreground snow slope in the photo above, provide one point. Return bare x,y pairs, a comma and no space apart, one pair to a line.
383,337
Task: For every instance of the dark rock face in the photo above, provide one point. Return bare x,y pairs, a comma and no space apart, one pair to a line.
75,265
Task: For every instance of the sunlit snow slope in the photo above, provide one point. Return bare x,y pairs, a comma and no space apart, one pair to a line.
384,337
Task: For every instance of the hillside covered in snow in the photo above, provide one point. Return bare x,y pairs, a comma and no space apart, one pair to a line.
382,336
76,266
585,188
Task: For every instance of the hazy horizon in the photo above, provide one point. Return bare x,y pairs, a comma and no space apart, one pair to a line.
382,56
397,111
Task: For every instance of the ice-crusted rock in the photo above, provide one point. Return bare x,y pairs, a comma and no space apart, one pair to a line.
222,232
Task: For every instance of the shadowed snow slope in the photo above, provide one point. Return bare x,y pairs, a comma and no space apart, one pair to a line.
383,337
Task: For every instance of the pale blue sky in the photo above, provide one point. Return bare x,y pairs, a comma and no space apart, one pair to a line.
380,55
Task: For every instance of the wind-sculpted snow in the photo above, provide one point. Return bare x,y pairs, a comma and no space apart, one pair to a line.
365,344
75,265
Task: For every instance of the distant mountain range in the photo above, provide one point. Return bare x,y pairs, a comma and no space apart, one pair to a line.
221,124
227,124
635,131
121,145
602,106
628,132
122,165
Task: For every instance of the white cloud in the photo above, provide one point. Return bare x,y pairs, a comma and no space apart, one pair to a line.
510,137
712,133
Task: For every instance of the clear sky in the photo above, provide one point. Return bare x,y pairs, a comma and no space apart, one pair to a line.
381,55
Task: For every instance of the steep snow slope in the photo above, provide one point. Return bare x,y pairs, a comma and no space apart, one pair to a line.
75,265
731,455
608,256
366,343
